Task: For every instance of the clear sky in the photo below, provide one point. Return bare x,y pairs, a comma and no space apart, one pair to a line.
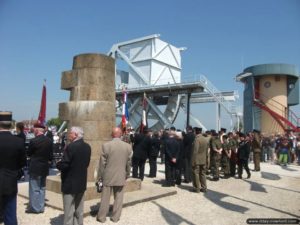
38,40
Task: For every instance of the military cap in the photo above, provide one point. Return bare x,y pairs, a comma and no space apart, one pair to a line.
5,116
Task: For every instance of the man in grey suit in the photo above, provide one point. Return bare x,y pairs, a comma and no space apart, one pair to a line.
200,148
114,169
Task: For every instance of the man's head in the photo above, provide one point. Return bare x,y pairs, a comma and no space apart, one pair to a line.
5,120
38,129
75,133
116,132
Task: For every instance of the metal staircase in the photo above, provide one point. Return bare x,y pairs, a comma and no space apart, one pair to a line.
215,93
282,119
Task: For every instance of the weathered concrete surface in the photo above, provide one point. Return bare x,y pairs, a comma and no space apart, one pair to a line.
91,83
272,193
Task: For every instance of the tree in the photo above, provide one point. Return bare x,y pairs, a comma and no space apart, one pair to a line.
54,122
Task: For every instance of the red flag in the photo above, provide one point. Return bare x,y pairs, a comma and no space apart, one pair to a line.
144,115
42,115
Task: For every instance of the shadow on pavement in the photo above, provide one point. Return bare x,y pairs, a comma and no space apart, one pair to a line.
265,206
270,176
288,168
216,197
256,186
57,220
171,217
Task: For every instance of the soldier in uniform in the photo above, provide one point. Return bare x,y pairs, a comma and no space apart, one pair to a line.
233,144
200,148
216,153
256,148
226,156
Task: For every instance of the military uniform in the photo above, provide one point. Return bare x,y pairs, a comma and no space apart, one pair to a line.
199,153
256,148
226,158
216,156
233,145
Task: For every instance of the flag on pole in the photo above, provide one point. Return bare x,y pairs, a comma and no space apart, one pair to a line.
144,115
42,114
125,114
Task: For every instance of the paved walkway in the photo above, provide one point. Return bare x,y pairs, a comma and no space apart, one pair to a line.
272,193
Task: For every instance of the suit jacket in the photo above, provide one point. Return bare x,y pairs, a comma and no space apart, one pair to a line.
200,149
115,163
73,167
188,140
172,148
12,159
141,146
243,150
40,152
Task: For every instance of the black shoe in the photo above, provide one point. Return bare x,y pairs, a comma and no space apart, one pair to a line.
29,211
215,179
249,175
239,177
203,190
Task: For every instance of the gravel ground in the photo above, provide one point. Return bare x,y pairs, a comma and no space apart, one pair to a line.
274,192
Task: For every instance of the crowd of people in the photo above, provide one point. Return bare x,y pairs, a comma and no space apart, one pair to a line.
189,156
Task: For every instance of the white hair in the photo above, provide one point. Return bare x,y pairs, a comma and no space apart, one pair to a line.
78,131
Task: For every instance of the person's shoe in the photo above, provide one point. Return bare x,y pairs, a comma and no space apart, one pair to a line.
101,221
239,177
215,179
113,220
203,190
29,211
249,175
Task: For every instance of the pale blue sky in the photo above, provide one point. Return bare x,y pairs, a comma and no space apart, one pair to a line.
38,40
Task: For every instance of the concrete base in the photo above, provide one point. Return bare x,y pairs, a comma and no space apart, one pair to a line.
53,184
148,192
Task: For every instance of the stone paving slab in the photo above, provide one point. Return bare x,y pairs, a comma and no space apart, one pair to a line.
149,192
274,192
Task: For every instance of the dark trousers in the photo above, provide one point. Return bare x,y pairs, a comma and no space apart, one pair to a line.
187,170
9,207
243,163
232,168
153,166
138,168
170,169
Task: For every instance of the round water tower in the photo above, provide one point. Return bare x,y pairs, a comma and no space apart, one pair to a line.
270,90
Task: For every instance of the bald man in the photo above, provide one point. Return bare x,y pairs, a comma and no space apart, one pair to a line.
114,169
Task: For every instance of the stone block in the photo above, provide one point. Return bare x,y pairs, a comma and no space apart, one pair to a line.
93,93
87,110
53,184
94,60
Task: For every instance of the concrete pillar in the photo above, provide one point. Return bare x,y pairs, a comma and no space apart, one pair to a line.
91,83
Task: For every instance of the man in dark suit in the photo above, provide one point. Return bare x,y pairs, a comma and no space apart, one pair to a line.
243,155
141,149
12,159
40,153
171,155
200,149
188,140
73,167
114,169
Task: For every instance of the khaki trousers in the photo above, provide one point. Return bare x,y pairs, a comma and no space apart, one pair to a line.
118,192
199,177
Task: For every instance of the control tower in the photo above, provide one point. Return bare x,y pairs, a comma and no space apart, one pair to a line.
270,90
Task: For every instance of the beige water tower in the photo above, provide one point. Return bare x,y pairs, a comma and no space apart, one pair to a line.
270,90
